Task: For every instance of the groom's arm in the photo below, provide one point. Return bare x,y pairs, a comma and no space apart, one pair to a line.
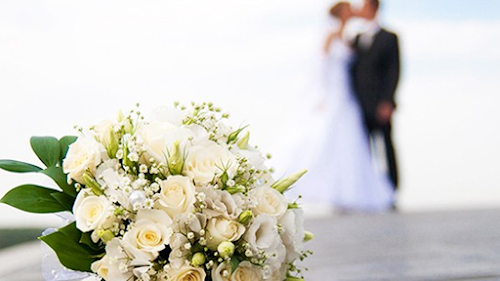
392,70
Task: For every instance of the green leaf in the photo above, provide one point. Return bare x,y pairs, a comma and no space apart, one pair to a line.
71,232
76,235
33,199
70,252
234,135
87,240
65,200
47,149
57,174
234,263
18,167
64,143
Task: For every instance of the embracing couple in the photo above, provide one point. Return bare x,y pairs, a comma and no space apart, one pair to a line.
355,103
362,76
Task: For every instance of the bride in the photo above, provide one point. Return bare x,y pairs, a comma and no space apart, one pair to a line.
334,144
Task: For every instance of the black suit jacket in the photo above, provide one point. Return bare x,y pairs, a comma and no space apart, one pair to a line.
375,71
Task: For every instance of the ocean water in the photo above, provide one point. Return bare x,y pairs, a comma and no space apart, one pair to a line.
64,64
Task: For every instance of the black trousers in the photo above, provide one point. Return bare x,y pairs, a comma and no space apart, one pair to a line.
374,127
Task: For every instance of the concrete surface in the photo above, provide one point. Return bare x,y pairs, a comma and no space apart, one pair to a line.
458,245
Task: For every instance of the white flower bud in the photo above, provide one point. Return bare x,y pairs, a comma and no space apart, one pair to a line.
198,259
226,249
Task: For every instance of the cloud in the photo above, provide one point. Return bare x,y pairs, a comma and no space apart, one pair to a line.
451,39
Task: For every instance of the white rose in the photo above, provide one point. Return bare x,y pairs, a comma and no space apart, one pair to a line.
222,272
208,160
269,201
92,212
221,229
246,271
176,195
85,154
153,136
151,232
187,273
159,139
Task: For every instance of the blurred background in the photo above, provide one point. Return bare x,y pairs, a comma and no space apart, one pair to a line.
66,63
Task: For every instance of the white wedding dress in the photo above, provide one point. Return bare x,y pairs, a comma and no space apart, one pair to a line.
333,146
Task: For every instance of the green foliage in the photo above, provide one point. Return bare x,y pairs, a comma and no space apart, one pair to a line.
65,200
234,135
64,143
71,253
234,263
34,199
51,152
47,149
18,167
86,239
57,174
74,249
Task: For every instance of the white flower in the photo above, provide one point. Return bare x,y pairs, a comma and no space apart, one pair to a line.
92,278
114,265
207,160
150,233
107,173
254,157
219,203
92,212
191,223
85,154
187,273
222,132
168,114
270,201
101,267
142,273
221,229
262,233
176,195
153,135
159,138
179,253
278,273
105,134
293,233
246,271
107,176
221,272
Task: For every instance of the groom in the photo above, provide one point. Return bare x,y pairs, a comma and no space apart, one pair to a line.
375,75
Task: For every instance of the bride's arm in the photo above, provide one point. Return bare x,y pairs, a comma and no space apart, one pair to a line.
326,47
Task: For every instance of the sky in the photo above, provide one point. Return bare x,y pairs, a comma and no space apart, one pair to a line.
455,10
66,63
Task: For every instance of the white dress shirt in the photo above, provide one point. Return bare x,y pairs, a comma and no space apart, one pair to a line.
367,37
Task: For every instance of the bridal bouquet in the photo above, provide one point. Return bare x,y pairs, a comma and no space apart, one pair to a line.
179,197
